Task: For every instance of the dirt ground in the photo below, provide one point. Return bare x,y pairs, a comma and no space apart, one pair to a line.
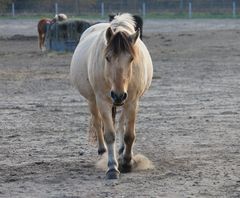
188,123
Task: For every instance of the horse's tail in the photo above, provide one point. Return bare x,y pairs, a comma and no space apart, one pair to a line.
92,135
40,29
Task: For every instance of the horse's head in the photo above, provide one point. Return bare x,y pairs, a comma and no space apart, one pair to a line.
59,17
119,55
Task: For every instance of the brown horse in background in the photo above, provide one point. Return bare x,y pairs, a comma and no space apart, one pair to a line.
43,26
42,30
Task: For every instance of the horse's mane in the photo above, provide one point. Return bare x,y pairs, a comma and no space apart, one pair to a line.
122,25
123,22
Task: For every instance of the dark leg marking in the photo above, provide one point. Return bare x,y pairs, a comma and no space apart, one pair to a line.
125,165
120,151
101,151
114,111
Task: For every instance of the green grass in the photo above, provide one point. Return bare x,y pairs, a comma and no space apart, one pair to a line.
152,15
166,15
195,15
26,16
47,15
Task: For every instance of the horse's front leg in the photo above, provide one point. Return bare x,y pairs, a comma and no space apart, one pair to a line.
120,131
125,160
109,136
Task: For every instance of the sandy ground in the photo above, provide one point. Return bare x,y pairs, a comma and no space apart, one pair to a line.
188,122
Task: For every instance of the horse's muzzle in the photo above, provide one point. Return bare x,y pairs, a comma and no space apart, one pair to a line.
118,98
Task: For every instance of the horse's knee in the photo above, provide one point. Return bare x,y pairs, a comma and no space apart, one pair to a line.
109,137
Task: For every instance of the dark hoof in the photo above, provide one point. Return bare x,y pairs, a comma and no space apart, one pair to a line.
101,151
125,168
112,174
125,165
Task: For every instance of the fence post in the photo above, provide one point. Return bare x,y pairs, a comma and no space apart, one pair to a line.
144,9
56,8
13,10
102,9
181,5
234,9
190,10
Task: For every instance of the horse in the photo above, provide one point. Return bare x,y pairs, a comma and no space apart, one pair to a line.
138,21
43,25
111,68
42,30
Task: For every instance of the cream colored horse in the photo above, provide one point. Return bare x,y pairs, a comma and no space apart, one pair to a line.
111,67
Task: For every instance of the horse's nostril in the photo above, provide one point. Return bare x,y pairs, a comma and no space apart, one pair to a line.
113,95
125,95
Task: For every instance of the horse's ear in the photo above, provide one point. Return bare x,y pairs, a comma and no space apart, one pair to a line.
111,17
109,34
133,37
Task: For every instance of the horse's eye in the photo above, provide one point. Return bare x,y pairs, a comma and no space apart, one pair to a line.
131,59
107,58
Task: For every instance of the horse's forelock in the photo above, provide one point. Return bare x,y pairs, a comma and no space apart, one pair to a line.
120,43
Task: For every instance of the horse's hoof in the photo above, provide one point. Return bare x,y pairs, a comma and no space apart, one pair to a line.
112,174
101,151
125,168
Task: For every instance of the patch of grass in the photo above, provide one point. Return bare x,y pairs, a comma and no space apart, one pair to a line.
48,15
195,15
166,15
150,15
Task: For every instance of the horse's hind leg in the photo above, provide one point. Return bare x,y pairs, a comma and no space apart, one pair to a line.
125,160
43,42
40,40
97,127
